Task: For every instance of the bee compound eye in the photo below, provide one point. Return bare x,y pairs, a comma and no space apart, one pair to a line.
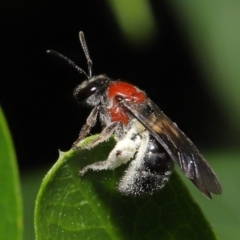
81,93
91,88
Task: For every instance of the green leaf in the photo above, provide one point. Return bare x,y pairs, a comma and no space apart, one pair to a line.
90,207
10,201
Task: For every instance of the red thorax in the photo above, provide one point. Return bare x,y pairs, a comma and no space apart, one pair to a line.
126,91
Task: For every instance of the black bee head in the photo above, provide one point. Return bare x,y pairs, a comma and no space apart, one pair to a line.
92,90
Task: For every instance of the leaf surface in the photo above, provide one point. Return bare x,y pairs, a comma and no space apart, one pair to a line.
90,207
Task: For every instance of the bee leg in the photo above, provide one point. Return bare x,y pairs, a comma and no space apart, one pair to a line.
104,135
123,152
91,121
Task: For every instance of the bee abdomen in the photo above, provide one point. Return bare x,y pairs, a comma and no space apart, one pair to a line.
151,175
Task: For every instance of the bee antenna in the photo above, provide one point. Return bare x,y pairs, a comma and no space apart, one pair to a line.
70,62
86,52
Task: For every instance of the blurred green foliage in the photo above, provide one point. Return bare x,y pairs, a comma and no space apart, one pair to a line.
213,32
30,182
135,19
11,219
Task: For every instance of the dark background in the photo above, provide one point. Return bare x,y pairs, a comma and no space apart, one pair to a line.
36,89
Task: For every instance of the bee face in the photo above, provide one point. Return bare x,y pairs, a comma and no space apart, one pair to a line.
91,91
145,136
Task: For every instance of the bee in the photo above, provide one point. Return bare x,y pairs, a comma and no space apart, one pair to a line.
145,137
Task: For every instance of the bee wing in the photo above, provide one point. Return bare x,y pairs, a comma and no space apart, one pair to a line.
179,147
